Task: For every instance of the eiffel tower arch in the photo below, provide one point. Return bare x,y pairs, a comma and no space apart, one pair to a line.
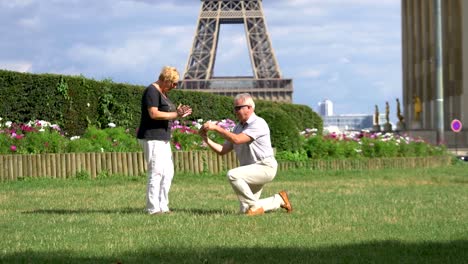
266,82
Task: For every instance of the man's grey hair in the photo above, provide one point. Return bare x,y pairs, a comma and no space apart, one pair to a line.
246,98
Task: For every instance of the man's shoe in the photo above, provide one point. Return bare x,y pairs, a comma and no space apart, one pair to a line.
287,205
258,211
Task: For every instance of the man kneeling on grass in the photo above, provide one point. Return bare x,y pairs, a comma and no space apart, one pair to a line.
251,141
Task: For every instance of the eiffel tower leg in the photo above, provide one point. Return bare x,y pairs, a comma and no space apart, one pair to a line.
202,56
261,52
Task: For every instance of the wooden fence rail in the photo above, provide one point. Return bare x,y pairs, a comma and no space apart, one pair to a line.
67,165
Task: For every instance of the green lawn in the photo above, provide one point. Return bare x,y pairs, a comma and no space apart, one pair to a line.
387,216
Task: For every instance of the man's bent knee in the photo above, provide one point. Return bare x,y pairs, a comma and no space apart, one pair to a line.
232,175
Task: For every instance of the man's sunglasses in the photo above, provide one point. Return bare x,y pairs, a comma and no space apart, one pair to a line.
239,107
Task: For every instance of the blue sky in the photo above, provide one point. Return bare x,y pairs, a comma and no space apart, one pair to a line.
347,51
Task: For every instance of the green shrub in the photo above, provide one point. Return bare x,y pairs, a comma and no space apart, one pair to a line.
351,149
284,133
315,148
302,116
115,139
82,146
82,175
300,155
42,142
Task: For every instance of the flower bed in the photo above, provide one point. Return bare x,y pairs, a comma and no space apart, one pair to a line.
38,137
362,144
115,150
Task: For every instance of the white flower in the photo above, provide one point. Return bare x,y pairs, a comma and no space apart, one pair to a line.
111,125
102,150
75,138
88,104
43,123
41,129
8,123
198,120
198,126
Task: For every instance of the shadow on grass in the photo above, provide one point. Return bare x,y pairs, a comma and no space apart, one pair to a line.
195,211
370,252
87,211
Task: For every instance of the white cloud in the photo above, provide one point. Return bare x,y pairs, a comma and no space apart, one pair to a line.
19,66
30,23
334,77
310,73
344,60
15,3
305,3
235,45
128,55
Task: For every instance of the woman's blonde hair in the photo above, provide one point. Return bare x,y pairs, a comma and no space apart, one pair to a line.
169,73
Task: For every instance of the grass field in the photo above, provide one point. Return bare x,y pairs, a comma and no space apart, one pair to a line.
387,216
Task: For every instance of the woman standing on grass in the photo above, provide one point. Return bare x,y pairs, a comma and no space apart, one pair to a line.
154,135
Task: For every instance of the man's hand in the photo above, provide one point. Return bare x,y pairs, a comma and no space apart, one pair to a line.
203,133
209,126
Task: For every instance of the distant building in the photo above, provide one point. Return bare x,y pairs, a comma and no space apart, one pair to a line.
352,121
347,122
325,108
420,68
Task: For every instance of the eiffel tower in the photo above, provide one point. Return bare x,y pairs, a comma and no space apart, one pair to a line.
266,82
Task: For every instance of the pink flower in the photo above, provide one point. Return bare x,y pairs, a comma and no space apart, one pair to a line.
13,148
177,146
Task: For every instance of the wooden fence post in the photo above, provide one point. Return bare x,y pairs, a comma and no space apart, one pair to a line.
66,165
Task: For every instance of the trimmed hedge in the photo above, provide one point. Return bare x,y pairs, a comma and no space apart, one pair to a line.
302,116
73,102
76,102
283,131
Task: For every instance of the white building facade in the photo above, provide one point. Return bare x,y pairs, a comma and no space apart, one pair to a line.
325,108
